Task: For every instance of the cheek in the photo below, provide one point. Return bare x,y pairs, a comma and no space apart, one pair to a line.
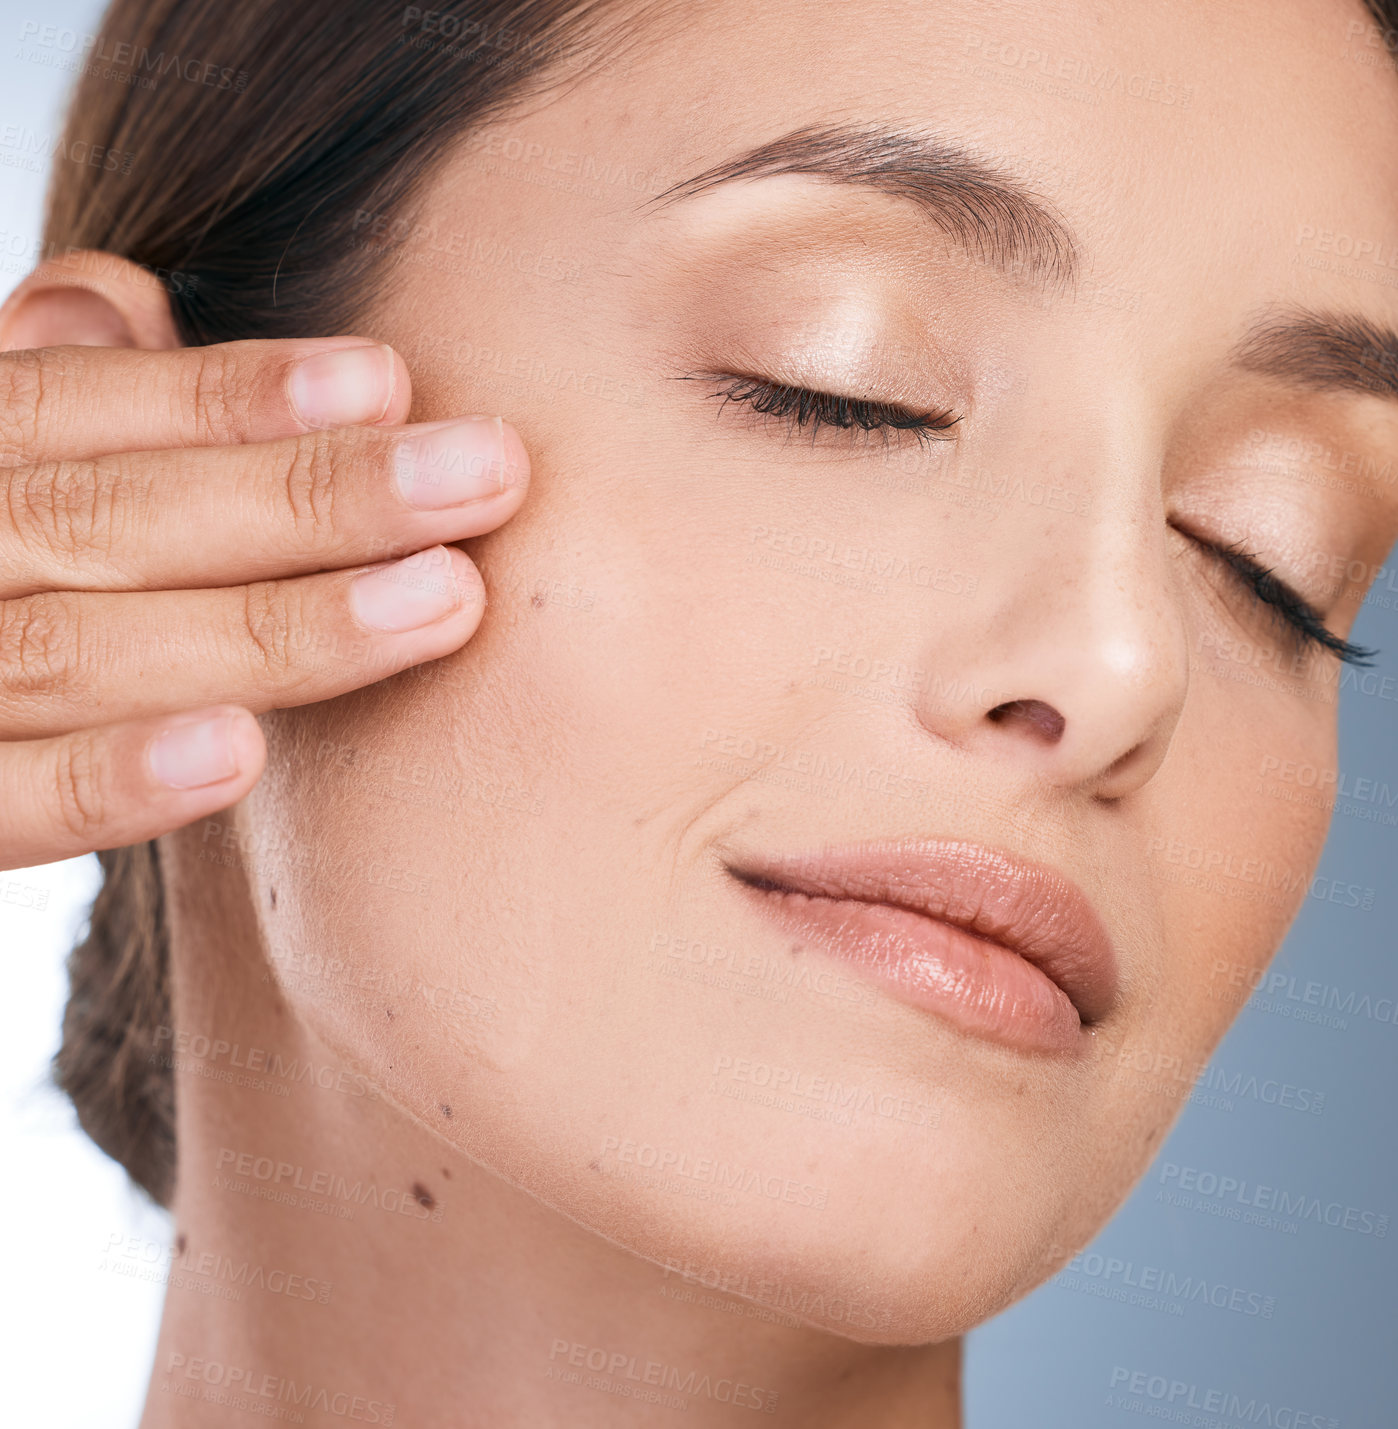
1230,847
1245,859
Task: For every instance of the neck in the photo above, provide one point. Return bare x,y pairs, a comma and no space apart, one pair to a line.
336,1259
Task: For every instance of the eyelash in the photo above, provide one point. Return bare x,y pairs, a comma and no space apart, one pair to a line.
802,407
1283,603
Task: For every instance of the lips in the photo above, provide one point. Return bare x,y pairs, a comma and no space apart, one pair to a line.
1004,948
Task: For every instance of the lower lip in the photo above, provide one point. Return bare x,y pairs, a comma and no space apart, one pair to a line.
979,986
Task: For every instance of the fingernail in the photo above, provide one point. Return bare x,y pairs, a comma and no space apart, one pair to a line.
410,593
450,463
344,388
198,752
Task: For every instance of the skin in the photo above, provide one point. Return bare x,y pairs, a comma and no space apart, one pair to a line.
136,582
455,893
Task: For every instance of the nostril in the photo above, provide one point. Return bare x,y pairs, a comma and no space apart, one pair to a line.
1043,719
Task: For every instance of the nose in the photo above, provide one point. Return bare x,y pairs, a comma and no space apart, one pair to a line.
1075,661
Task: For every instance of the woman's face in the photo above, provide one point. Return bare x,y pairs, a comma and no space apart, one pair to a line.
717,642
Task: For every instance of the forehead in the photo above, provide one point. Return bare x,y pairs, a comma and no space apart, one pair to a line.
1197,143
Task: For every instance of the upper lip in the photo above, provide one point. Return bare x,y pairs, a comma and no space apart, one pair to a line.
1026,907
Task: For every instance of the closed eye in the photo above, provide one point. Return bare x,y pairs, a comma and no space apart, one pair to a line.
802,407
1302,622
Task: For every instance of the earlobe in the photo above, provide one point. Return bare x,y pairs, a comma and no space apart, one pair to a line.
89,299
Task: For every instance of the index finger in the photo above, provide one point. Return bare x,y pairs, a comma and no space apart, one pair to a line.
67,403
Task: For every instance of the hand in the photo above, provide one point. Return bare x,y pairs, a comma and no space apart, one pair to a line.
193,536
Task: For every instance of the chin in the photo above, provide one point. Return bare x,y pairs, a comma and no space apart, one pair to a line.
930,1273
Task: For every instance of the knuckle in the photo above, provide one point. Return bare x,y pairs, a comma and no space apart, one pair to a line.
271,621
81,786
68,508
40,644
308,485
24,376
214,392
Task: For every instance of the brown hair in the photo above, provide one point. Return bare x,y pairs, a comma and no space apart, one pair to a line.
251,135
257,132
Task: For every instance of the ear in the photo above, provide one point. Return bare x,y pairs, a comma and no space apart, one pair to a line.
90,299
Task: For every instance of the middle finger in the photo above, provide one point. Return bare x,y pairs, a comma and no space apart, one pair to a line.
222,516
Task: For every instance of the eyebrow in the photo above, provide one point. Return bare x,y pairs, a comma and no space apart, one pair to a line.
995,217
989,213
1324,352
